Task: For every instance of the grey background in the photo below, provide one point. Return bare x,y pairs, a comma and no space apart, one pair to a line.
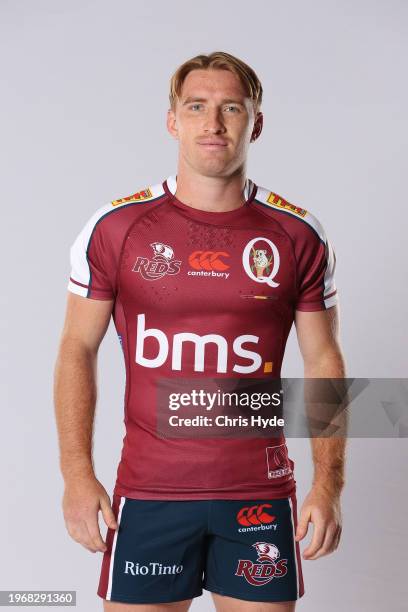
84,101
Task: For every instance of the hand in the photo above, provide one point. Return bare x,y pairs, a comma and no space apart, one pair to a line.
321,508
83,498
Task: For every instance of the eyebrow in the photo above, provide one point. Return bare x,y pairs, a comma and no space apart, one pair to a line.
225,101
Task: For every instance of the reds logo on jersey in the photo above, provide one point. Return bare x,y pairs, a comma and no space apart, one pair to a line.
266,568
162,263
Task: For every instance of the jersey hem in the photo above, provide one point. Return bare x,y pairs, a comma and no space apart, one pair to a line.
250,495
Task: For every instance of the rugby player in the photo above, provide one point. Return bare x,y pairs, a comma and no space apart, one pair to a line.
203,274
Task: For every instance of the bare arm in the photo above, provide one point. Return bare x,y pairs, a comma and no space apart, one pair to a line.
75,395
318,336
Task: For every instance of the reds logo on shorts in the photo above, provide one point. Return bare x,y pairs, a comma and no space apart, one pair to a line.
268,567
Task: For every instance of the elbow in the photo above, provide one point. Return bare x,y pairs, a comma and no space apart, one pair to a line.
329,363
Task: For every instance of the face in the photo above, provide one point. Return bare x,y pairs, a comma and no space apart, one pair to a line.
214,122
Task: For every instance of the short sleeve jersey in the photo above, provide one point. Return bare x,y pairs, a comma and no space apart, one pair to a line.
199,294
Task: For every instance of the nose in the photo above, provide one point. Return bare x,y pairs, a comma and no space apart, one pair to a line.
213,122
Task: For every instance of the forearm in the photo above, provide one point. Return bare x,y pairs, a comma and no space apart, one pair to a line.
74,401
329,464
328,453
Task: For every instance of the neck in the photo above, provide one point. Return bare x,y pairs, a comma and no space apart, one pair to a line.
211,193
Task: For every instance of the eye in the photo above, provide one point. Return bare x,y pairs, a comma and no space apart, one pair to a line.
194,106
231,108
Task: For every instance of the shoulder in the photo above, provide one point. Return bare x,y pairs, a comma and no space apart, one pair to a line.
294,219
122,209
109,222
144,195
141,197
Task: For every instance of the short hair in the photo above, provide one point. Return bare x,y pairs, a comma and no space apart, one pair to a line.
222,61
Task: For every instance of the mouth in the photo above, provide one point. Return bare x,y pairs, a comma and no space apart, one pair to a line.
213,144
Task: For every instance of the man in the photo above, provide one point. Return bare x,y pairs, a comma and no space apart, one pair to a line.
204,275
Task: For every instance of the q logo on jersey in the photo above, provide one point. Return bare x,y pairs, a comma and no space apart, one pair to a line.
261,260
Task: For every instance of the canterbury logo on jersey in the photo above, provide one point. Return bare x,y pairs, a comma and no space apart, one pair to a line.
208,260
255,515
163,351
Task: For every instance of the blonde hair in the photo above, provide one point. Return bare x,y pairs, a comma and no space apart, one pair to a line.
221,61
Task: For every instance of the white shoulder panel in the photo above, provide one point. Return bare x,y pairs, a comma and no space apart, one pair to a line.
277,202
80,272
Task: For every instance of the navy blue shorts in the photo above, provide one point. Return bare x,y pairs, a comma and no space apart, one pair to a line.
167,551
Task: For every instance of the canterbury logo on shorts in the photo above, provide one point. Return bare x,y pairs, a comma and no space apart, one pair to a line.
255,515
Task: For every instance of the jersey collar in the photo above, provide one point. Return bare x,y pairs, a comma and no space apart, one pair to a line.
249,188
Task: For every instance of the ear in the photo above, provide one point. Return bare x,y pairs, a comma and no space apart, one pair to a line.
171,123
258,125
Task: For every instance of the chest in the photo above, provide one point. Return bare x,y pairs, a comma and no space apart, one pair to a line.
177,265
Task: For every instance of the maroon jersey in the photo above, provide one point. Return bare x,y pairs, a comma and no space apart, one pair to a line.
201,294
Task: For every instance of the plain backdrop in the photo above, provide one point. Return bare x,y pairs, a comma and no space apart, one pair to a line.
84,101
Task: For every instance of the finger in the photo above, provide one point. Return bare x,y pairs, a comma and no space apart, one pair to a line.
107,513
79,532
338,538
303,525
319,533
95,534
88,542
328,542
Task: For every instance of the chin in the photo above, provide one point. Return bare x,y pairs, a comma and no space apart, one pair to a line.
213,169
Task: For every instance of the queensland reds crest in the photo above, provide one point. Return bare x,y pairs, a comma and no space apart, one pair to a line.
162,263
278,461
261,260
266,568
